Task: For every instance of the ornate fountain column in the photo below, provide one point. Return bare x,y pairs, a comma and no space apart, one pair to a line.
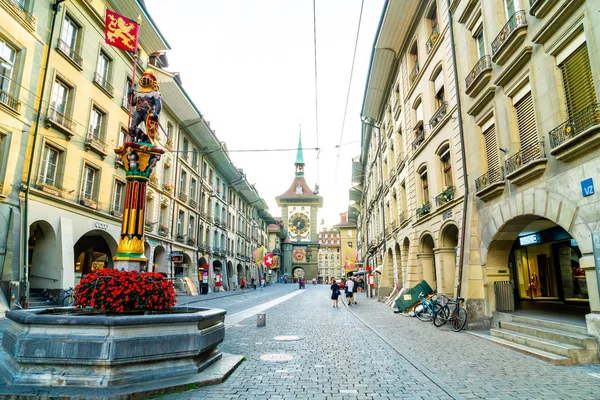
139,160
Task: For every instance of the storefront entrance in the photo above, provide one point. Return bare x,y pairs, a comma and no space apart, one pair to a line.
545,266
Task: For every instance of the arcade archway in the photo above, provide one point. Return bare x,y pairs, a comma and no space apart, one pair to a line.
160,260
448,247
93,251
427,260
44,269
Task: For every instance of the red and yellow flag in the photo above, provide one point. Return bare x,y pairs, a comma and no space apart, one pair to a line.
121,32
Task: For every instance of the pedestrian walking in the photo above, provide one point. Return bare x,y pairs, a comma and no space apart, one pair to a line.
335,292
354,289
263,283
349,291
299,283
243,284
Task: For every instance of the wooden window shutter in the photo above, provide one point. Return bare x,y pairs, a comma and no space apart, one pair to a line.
578,81
491,152
530,147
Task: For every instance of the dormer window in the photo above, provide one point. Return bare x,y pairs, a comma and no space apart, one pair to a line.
299,189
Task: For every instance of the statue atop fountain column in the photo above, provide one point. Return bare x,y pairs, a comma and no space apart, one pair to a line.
147,106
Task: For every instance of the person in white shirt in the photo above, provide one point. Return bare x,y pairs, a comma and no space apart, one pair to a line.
349,288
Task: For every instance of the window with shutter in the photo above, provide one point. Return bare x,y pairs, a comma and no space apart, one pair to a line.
528,138
491,153
578,81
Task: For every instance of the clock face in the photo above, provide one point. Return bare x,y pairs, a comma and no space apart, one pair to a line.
299,224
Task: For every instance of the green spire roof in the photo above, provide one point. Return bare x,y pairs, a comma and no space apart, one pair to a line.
299,157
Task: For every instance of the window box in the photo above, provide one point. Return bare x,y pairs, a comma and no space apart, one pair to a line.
446,196
168,188
479,76
153,179
183,196
50,189
509,38
116,213
164,201
180,238
419,140
191,241
88,202
163,230
424,210
578,135
148,226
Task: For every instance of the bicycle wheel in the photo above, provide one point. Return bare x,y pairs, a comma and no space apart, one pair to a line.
459,319
66,301
424,314
441,316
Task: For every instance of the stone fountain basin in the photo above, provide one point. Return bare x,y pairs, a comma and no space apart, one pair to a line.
85,348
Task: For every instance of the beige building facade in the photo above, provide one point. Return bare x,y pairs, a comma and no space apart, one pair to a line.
530,80
74,208
410,170
492,197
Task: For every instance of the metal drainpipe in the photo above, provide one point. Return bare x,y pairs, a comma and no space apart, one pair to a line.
462,153
25,239
174,203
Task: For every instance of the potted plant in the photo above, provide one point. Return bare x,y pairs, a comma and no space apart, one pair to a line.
192,241
168,188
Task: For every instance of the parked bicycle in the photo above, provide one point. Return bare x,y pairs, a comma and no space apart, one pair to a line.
457,317
426,310
68,299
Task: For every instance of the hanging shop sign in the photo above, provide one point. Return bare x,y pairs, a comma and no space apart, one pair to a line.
177,256
530,240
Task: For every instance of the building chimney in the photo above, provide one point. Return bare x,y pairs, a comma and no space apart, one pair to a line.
344,218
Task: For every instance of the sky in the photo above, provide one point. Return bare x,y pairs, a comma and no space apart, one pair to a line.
249,66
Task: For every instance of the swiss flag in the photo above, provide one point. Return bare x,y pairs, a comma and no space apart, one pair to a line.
269,260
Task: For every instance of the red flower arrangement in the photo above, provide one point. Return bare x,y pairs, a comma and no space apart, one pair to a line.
118,291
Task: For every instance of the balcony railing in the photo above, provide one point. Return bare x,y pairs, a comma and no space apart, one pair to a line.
484,64
424,210
439,115
60,118
10,101
581,121
180,238
490,177
93,141
418,140
524,157
400,161
70,53
446,196
193,203
435,34
23,13
183,196
413,74
516,20
100,80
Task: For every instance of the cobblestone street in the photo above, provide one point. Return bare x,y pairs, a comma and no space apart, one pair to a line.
339,356
368,352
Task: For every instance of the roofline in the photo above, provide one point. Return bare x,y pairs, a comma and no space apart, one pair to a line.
154,26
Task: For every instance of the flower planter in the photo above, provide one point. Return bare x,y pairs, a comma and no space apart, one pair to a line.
88,348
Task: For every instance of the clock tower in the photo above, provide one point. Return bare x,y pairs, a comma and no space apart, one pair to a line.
299,212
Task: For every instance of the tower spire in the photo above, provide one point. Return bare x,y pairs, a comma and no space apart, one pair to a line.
299,156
